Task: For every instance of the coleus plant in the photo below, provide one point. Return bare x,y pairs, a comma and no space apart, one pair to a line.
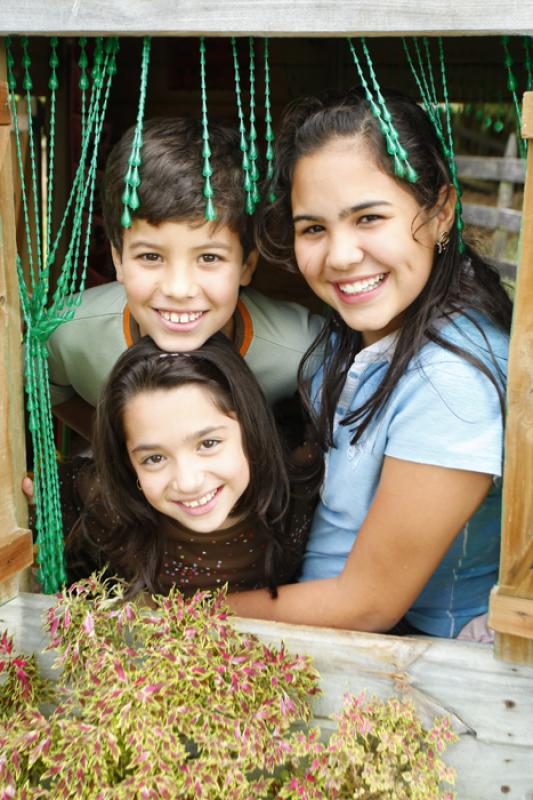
174,702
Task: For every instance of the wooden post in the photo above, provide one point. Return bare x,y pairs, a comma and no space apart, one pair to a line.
511,606
15,539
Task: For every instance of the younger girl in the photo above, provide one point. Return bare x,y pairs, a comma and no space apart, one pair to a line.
408,407
192,487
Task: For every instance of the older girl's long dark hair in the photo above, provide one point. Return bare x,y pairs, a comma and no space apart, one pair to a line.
133,544
458,281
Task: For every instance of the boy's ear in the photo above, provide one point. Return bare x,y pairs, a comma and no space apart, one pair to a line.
117,261
248,268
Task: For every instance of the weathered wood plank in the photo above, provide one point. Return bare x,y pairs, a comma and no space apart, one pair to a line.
516,575
511,614
492,217
491,702
491,168
16,552
274,17
13,511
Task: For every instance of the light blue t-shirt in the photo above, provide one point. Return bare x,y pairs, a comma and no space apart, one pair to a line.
445,412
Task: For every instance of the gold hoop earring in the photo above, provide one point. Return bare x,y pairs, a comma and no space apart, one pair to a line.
442,242
139,487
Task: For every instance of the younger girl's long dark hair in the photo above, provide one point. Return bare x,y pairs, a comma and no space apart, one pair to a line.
458,281
133,543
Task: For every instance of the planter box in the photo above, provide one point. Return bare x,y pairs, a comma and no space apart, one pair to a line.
490,702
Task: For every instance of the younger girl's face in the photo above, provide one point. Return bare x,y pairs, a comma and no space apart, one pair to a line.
353,237
188,456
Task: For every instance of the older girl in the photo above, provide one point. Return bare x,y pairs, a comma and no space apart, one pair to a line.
408,406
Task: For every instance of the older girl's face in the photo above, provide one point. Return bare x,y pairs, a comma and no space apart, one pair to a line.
361,240
188,456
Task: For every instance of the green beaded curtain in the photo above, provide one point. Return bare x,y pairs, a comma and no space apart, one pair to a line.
378,106
132,179
513,86
427,86
43,309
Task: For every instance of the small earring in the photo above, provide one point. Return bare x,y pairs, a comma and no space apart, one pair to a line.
139,487
442,242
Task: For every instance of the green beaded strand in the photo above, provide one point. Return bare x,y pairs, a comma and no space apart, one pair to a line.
253,153
269,131
394,146
132,179
83,83
40,322
53,85
426,83
210,210
512,85
526,41
247,181
27,85
398,154
451,149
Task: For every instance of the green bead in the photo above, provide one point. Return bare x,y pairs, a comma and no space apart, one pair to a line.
247,182
272,197
134,202
208,189
53,82
399,168
84,81
411,173
126,219
27,84
135,179
206,150
126,196
249,206
210,211
256,194
207,170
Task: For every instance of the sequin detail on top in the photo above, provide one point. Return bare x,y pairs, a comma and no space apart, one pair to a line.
194,561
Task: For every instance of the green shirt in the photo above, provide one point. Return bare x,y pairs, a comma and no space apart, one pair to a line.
272,336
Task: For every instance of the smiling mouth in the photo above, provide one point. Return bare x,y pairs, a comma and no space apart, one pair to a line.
362,286
201,503
181,317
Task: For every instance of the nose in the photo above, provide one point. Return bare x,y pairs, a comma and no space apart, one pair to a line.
344,251
188,477
179,282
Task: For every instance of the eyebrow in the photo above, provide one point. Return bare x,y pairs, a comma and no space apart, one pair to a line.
203,246
191,438
346,212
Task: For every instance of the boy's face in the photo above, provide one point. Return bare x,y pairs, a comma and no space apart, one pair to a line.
182,280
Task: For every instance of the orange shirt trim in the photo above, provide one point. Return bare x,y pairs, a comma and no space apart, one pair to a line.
126,326
248,328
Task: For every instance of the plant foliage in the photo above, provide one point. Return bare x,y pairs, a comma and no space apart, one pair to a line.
175,703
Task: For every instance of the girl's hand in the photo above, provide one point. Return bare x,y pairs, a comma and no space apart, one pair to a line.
27,488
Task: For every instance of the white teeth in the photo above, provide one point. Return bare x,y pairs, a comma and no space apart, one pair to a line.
173,316
201,500
361,286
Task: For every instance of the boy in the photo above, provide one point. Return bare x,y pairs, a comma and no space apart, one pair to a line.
178,276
